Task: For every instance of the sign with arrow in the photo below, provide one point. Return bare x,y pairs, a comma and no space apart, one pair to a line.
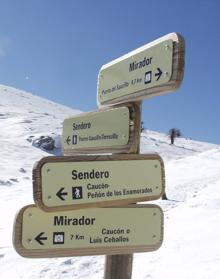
152,69
40,238
158,74
61,194
94,231
62,183
68,140
113,129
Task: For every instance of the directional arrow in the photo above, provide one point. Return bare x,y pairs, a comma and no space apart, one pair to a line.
158,74
60,194
68,140
40,237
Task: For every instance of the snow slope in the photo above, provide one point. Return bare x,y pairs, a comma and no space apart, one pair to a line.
191,247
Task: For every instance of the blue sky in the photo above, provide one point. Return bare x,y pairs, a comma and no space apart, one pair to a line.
55,48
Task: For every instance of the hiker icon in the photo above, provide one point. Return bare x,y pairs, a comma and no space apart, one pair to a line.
77,193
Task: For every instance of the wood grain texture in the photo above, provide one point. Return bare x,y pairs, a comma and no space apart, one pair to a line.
118,266
54,253
134,135
37,179
178,64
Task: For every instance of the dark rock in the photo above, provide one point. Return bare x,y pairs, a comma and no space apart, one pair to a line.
45,143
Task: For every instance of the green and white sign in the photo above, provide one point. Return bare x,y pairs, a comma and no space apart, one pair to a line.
97,129
97,181
88,231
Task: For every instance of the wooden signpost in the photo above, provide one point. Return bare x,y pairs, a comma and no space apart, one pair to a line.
150,70
82,198
97,231
64,183
114,130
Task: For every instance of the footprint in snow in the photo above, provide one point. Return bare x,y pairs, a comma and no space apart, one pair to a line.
5,183
22,170
14,180
67,262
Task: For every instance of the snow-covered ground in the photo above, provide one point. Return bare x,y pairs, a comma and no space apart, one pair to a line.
191,247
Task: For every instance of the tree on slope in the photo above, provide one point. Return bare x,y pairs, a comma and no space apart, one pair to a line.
174,133
142,126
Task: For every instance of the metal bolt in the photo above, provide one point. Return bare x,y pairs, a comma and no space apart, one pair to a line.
30,215
155,166
167,47
154,236
29,240
48,170
166,73
154,214
49,197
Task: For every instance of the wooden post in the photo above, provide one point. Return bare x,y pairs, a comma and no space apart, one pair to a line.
120,266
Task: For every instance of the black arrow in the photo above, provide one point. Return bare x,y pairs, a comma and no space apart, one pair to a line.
68,140
158,74
60,194
40,237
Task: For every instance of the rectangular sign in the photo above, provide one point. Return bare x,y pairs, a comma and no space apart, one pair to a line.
152,69
62,183
114,129
95,231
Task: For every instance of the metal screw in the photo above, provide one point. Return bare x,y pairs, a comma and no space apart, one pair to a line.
166,73
30,215
154,236
167,47
49,197
48,170
155,166
29,240
154,214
